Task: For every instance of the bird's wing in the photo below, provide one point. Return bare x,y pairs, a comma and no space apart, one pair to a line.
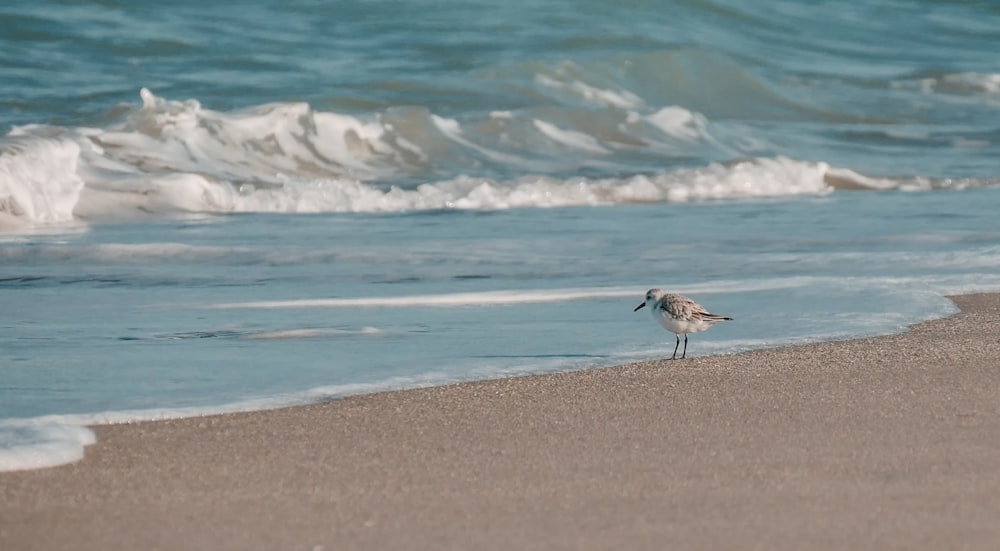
681,307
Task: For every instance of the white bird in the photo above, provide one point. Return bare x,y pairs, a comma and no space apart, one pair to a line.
679,314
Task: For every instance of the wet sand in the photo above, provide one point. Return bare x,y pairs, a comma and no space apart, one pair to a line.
880,443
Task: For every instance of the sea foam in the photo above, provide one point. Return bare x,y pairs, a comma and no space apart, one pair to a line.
33,444
38,179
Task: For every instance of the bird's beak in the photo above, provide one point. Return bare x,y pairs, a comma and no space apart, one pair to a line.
637,308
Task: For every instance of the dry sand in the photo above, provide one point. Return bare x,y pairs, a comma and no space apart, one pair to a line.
881,443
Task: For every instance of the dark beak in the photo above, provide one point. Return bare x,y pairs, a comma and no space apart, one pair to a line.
637,308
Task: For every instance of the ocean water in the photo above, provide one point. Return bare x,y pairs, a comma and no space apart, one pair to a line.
208,208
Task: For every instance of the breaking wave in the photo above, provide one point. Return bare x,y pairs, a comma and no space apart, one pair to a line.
176,156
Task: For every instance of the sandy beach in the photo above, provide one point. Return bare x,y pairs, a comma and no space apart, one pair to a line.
879,443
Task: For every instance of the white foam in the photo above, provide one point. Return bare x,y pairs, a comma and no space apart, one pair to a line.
181,192
570,138
679,122
38,443
980,86
754,178
38,178
452,130
968,82
498,298
988,83
315,333
441,300
255,144
613,98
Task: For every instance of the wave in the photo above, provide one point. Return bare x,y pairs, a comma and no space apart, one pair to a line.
985,86
495,298
177,157
440,300
971,82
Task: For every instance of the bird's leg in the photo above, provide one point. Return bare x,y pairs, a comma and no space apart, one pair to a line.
674,357
685,353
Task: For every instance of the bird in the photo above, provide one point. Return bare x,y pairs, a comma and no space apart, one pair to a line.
679,314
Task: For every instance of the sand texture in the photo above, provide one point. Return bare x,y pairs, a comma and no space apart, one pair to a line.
880,443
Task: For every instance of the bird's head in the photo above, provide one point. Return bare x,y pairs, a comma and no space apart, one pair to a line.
652,296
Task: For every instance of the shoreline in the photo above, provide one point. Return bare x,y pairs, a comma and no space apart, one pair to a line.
881,442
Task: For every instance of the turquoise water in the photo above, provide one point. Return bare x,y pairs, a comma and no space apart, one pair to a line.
205,208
